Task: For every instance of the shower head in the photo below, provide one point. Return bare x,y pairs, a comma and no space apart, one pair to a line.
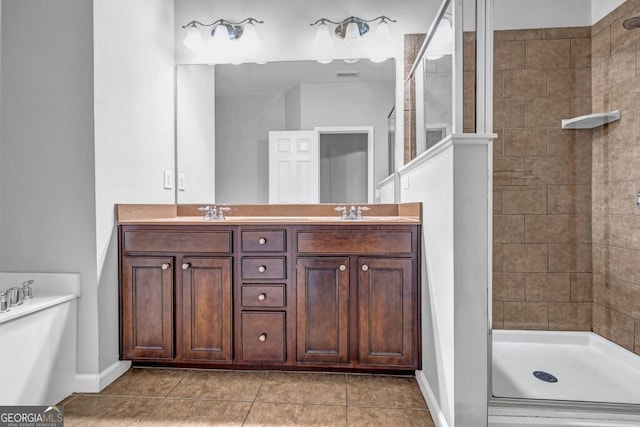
632,23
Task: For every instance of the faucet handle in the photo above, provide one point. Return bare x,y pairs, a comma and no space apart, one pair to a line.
28,292
222,210
360,209
209,212
4,306
342,209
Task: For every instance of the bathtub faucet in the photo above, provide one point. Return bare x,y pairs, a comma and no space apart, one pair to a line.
15,296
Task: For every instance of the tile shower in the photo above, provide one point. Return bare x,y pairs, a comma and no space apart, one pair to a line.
566,224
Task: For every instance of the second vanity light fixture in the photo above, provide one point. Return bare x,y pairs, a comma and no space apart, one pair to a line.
222,33
351,30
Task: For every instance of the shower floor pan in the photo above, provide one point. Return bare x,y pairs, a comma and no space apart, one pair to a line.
568,366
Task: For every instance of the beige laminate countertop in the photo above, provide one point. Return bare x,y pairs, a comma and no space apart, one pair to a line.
408,213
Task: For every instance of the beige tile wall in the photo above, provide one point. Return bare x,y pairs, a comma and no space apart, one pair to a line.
542,178
615,55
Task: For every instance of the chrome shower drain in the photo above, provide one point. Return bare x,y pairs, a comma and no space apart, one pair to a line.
545,376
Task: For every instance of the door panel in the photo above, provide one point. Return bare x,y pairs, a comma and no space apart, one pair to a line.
293,167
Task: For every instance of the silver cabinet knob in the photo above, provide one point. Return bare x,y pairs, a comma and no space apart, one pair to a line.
262,269
262,297
262,337
342,267
365,267
186,266
262,241
166,266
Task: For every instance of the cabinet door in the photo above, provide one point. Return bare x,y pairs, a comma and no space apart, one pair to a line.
322,309
206,309
147,307
386,312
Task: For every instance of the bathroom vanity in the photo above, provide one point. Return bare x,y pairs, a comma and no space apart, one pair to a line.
270,287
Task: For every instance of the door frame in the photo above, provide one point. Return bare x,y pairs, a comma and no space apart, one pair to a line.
370,147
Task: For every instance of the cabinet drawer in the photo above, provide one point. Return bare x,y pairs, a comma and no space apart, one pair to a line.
355,242
263,241
263,337
176,241
263,268
263,296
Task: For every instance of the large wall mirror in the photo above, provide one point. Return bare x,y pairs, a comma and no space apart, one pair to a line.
225,114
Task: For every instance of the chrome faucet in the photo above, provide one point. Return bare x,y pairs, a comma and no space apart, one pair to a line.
15,296
4,306
355,213
213,213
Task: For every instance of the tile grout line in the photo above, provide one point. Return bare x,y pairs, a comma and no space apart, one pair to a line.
163,399
264,377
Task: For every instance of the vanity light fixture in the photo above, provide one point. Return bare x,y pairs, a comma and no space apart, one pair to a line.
350,30
223,32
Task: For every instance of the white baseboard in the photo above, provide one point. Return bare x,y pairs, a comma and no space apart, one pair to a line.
432,402
95,383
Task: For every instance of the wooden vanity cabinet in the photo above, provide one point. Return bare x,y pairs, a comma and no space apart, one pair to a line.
176,294
268,296
359,309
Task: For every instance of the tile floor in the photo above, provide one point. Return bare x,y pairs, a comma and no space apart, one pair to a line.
172,397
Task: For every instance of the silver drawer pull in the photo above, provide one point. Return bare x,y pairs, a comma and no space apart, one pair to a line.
262,241
342,267
186,266
262,337
262,297
365,267
166,266
262,269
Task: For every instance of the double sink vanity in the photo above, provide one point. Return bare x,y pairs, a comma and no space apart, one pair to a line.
271,287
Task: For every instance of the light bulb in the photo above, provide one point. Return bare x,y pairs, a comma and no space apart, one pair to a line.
192,39
250,37
352,35
323,40
220,36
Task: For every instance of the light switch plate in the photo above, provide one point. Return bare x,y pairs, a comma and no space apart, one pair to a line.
168,179
181,184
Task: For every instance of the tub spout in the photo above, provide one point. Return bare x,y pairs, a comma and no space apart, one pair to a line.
15,296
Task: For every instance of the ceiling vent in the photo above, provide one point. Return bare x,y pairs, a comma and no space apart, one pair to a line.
347,74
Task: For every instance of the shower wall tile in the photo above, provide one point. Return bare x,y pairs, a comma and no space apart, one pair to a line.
581,287
546,228
570,316
543,176
614,326
544,54
525,200
525,258
526,315
580,229
615,178
526,142
581,53
509,287
509,55
509,228
548,287
498,315
524,84
570,258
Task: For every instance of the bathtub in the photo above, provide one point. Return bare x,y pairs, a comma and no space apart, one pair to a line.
544,378
38,340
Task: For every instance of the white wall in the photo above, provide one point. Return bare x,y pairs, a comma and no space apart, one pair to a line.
47,189
352,104
196,131
453,181
134,129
